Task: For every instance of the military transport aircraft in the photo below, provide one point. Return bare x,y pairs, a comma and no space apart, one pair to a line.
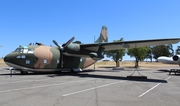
70,56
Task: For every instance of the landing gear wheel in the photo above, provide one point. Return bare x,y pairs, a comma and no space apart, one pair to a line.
74,72
24,72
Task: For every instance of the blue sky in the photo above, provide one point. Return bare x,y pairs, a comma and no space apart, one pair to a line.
25,21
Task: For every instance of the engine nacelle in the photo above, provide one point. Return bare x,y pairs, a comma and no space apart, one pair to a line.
176,58
95,56
73,47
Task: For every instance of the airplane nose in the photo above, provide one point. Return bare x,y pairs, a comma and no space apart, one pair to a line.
8,57
159,58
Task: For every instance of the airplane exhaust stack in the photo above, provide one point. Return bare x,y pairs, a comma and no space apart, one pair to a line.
175,58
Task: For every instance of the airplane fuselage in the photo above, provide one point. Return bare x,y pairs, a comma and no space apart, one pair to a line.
46,58
166,60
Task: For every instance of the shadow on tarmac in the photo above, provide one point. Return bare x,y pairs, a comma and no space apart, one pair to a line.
162,71
110,77
83,74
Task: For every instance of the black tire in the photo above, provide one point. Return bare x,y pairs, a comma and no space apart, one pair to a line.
24,72
73,72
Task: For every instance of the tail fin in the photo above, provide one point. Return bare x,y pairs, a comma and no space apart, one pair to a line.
103,35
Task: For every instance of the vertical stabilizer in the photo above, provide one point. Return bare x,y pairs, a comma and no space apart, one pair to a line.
103,35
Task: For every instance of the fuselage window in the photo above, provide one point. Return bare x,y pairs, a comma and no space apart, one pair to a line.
18,57
23,56
57,61
45,61
27,61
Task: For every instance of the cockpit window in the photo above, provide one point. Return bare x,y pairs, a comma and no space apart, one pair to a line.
18,50
30,51
24,50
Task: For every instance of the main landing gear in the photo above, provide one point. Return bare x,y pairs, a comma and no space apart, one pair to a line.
23,72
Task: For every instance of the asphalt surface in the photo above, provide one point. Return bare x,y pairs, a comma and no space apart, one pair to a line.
103,87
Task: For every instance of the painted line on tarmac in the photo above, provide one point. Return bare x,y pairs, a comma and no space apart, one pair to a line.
42,86
153,87
92,88
24,81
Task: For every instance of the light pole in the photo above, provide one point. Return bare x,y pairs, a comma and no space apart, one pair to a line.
95,62
2,54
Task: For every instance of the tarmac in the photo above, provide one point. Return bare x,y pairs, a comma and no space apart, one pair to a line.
100,87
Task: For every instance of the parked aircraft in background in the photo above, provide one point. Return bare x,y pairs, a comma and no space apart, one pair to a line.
170,60
70,56
166,60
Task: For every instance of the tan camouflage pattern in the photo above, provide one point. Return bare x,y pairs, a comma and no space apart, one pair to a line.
104,32
103,35
87,62
43,53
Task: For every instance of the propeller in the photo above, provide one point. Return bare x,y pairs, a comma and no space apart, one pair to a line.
68,42
57,44
61,48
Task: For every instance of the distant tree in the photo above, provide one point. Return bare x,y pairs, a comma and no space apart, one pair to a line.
116,55
149,54
162,50
138,53
170,48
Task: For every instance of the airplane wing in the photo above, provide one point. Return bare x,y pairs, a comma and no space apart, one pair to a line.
129,44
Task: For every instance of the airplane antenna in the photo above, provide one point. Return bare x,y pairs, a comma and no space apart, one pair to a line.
39,44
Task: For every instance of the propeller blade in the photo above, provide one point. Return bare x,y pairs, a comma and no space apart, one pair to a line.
57,44
68,42
61,49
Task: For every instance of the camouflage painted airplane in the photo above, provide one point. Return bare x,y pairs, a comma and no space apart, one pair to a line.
70,56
